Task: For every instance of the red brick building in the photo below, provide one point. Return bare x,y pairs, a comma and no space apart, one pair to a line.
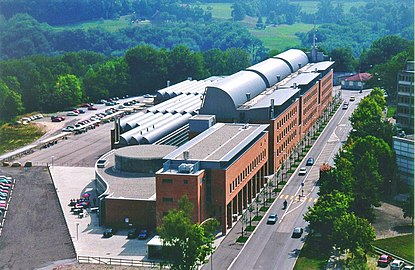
221,171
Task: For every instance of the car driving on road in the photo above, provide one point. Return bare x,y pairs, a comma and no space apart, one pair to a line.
302,171
272,219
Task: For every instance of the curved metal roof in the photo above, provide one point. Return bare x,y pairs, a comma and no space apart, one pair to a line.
271,69
236,87
294,58
159,133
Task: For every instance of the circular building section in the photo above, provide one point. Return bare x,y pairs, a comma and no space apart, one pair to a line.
141,158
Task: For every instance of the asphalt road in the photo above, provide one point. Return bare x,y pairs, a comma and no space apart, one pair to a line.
271,246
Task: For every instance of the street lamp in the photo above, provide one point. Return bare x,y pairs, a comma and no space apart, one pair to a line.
52,160
77,229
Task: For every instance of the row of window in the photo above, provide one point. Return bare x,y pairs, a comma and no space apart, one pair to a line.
405,100
283,145
310,116
311,94
327,80
254,163
405,89
312,105
405,110
288,116
170,181
406,78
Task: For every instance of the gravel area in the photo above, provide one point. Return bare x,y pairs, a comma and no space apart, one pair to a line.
390,221
35,232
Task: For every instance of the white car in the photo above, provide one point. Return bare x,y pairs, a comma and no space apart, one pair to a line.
397,265
72,114
302,171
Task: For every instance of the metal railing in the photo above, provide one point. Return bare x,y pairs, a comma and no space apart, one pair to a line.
119,261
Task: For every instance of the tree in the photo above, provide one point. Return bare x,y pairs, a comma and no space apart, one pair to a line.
215,62
185,245
383,154
367,186
238,12
183,63
67,91
408,207
382,50
147,68
325,211
11,103
366,118
236,60
339,178
353,233
344,59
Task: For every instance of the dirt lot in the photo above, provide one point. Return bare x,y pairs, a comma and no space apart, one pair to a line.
34,233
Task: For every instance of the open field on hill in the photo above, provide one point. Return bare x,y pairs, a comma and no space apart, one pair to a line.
281,37
311,6
219,10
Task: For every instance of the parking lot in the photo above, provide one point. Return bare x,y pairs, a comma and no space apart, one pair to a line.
34,233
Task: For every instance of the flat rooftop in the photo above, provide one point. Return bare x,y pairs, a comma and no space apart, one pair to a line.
219,143
128,185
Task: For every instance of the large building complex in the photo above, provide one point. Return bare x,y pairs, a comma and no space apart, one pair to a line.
243,128
405,106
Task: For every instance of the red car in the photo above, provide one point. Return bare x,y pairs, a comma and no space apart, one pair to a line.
384,260
92,108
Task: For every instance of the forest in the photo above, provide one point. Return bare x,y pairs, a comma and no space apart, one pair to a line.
48,61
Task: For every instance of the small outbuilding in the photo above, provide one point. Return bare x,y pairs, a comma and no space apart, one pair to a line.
356,82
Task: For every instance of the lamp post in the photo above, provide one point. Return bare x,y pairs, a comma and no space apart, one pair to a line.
52,160
77,229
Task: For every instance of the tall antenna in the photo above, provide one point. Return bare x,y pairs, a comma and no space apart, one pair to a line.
314,37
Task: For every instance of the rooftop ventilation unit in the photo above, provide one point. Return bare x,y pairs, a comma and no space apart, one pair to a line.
185,168
294,85
248,96
186,155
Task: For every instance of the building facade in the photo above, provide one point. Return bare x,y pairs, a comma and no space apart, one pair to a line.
404,149
405,106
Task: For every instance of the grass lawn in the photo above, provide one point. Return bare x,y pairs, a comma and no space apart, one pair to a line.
402,246
281,37
311,257
219,10
13,137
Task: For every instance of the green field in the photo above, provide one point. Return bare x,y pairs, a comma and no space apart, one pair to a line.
219,10
311,6
109,25
403,246
281,37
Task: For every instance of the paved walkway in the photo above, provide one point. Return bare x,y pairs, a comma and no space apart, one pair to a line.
86,234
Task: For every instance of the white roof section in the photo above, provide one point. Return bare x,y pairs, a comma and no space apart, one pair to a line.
295,58
220,143
319,66
272,70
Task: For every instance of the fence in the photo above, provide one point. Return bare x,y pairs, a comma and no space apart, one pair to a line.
119,261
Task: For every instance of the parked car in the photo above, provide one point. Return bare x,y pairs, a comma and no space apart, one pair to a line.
297,232
16,164
5,184
310,162
352,98
2,208
81,110
143,234
92,108
384,260
303,171
397,265
272,219
408,267
345,106
72,114
109,232
132,233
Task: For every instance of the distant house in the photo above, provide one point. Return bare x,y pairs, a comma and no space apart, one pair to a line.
356,82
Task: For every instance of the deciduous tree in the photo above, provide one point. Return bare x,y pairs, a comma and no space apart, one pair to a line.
185,245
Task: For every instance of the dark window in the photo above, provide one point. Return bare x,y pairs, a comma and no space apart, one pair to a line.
167,181
167,199
185,182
